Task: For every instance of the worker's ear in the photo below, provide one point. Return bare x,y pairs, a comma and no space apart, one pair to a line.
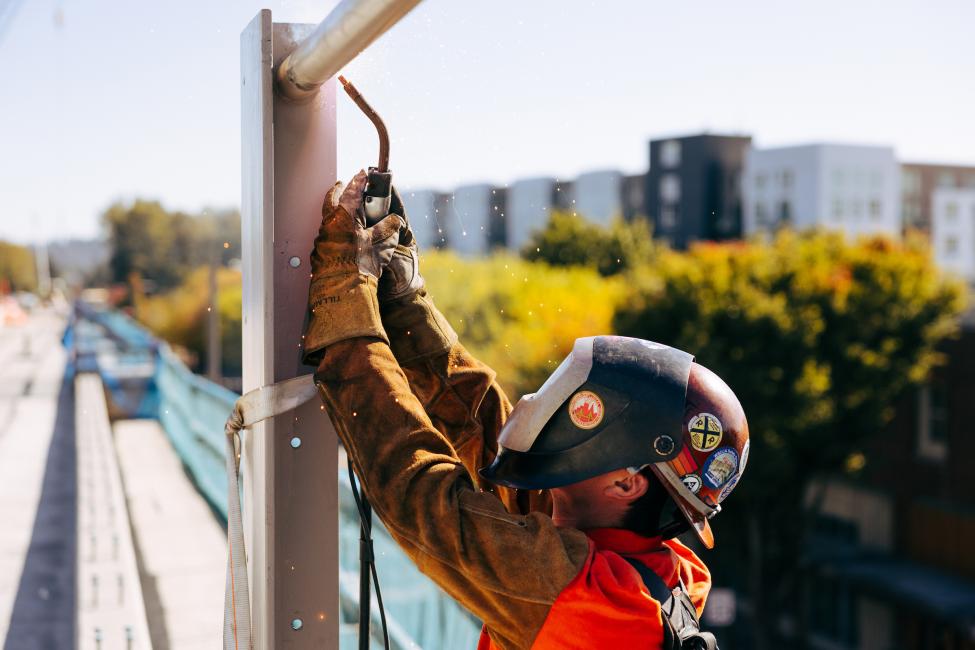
627,487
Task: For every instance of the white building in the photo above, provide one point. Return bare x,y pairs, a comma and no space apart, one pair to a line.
851,188
599,196
468,220
953,230
423,208
529,203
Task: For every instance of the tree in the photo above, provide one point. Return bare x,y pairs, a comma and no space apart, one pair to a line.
519,317
18,270
818,337
571,240
162,246
179,316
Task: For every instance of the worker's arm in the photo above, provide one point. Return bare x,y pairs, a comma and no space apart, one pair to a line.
460,536
459,393
506,569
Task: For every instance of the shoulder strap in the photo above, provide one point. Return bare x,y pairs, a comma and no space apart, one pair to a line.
660,593
681,626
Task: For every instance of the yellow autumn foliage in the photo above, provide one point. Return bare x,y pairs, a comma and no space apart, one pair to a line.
520,317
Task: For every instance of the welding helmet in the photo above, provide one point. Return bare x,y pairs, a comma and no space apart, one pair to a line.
618,402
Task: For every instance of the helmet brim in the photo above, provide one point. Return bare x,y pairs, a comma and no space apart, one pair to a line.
699,524
681,496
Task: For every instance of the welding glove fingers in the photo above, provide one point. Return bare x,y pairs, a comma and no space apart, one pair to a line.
401,277
346,263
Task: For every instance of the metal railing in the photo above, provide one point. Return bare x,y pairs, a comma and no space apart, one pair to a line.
192,411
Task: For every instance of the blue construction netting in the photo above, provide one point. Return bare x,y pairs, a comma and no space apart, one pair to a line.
192,411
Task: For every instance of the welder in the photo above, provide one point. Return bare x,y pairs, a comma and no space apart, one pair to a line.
555,522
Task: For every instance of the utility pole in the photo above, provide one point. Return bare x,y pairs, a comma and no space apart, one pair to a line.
43,263
214,372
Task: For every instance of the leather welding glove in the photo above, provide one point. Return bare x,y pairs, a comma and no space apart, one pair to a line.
346,263
416,327
401,277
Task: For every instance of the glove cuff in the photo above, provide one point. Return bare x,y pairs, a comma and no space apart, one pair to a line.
341,310
417,329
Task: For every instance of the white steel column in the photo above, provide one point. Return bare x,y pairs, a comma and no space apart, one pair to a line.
289,462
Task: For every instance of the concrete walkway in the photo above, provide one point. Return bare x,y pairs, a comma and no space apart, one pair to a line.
37,488
181,547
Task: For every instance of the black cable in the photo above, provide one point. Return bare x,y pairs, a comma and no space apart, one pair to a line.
367,566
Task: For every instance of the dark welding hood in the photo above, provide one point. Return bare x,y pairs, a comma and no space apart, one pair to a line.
614,402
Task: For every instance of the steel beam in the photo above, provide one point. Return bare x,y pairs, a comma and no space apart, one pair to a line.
289,462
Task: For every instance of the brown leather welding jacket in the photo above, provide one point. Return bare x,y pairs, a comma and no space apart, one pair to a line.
417,425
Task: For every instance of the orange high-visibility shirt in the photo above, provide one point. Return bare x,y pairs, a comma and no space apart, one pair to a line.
607,606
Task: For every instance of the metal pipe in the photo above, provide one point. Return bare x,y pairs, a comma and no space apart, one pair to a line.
360,101
350,28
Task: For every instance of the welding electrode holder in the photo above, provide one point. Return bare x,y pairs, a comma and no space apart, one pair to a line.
377,196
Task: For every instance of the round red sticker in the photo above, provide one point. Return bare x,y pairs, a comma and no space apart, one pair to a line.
586,409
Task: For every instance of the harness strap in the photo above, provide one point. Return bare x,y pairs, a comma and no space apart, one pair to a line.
681,626
257,405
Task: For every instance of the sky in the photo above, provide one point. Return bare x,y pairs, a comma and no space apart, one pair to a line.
107,100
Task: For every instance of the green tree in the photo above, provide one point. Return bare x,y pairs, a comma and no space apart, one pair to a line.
519,317
570,240
180,315
163,247
18,270
818,337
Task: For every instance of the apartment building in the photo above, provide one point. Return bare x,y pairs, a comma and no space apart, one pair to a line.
952,214
426,210
851,188
918,184
693,187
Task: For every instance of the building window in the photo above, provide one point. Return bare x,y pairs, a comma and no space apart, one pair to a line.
932,421
874,209
836,529
834,611
785,212
856,207
787,178
970,180
668,217
951,210
912,212
761,214
946,179
951,246
760,181
670,188
910,182
838,177
838,209
670,153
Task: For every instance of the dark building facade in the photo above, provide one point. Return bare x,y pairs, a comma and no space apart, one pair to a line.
693,187
918,183
893,559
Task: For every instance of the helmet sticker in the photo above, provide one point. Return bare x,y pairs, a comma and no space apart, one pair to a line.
744,456
720,467
705,430
586,409
726,490
692,482
685,462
